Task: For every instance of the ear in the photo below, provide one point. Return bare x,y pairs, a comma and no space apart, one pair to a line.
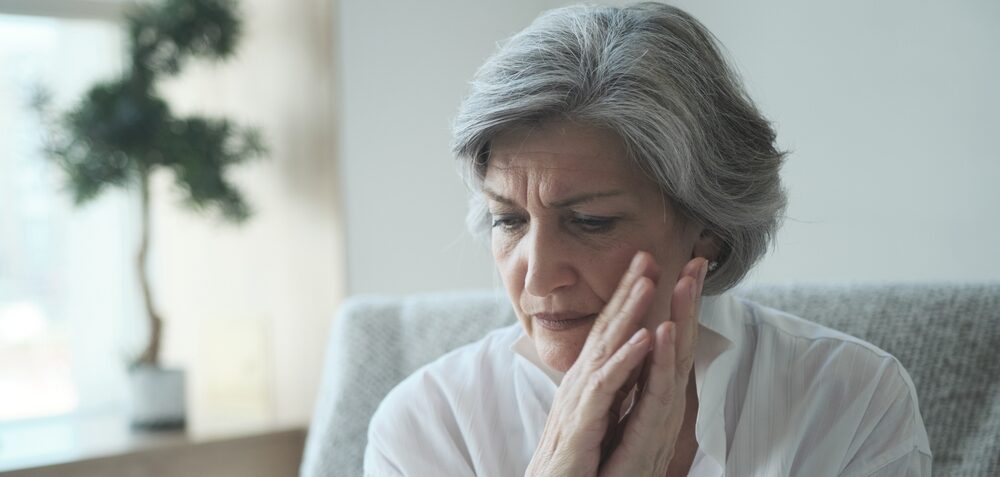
707,245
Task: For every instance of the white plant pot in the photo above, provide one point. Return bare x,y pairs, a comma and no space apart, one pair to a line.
156,398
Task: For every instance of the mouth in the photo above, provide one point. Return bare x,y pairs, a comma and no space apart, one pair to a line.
563,321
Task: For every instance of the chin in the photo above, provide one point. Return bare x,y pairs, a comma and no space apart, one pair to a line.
560,363
559,352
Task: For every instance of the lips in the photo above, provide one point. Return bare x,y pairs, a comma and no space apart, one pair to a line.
563,321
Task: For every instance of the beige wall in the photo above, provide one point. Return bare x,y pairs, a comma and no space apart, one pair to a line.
248,308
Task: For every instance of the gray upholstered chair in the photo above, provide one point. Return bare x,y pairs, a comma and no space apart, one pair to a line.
947,336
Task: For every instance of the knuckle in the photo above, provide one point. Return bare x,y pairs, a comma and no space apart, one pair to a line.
599,329
571,376
618,357
685,362
600,324
663,398
598,382
599,354
633,435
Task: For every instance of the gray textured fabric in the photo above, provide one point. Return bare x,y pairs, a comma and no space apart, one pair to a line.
375,342
947,337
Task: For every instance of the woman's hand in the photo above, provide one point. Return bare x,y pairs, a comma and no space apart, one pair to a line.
584,413
645,439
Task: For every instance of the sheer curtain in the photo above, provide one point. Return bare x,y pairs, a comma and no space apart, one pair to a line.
69,308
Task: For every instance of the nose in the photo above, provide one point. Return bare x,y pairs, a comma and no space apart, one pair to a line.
549,262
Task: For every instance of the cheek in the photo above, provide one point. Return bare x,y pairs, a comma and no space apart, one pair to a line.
607,267
511,270
605,270
502,248
671,255
500,244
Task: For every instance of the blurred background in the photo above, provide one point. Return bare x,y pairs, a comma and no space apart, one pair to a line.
888,110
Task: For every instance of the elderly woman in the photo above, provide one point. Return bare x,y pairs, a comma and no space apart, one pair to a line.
627,181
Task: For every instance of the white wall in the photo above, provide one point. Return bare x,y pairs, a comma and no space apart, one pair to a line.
404,69
888,109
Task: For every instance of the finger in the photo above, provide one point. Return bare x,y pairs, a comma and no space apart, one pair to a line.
684,309
640,261
692,268
618,413
701,284
625,392
657,404
619,318
602,385
698,269
683,312
619,326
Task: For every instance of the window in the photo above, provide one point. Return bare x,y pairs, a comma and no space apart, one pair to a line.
68,298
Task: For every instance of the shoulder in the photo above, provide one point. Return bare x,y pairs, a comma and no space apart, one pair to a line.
836,359
431,405
837,384
811,344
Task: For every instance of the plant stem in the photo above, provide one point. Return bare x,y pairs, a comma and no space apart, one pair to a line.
151,355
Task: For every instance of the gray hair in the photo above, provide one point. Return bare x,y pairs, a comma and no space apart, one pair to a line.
654,75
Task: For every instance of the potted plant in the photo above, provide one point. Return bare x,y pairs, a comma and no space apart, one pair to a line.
122,130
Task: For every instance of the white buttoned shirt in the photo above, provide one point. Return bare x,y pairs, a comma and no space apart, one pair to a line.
777,396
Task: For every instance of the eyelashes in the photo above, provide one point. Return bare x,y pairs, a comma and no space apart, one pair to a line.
588,224
594,224
507,223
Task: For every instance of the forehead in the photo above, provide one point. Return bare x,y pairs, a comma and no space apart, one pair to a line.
563,153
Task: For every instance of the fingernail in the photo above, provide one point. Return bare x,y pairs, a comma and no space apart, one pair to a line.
704,269
638,336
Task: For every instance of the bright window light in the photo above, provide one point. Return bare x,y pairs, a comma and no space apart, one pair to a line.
67,291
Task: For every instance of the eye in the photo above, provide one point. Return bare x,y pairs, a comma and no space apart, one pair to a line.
507,222
594,224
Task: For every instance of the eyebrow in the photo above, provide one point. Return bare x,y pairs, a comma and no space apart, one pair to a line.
567,202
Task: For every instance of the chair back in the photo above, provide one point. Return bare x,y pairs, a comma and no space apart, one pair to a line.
947,336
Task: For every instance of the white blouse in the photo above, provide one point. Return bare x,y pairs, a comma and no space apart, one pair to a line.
777,395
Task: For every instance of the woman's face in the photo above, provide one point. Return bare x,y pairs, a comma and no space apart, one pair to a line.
569,213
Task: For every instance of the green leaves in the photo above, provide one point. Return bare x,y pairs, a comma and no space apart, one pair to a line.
199,150
164,34
122,129
119,117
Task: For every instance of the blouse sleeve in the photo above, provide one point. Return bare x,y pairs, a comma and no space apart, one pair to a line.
377,464
913,464
413,433
891,439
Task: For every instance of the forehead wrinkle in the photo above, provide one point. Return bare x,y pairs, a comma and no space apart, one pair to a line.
552,190
556,185
560,135
542,160
548,165
519,184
